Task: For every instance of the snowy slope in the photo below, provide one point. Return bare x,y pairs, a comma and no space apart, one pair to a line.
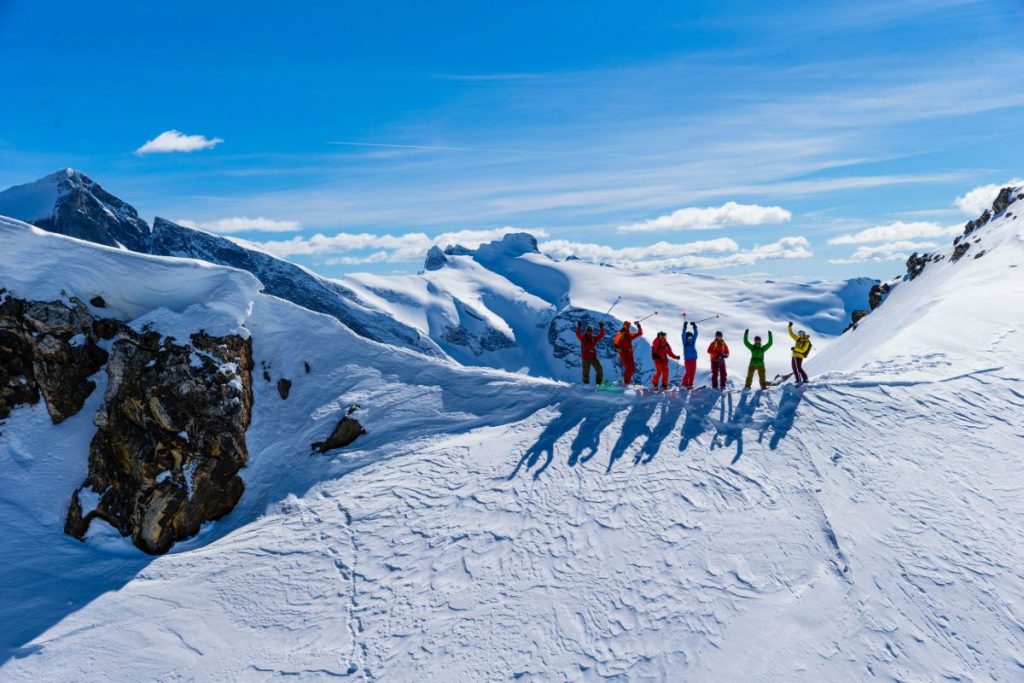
493,526
507,306
958,314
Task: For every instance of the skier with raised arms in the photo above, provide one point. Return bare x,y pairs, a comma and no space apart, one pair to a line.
623,343
801,348
588,349
719,351
661,351
757,351
689,356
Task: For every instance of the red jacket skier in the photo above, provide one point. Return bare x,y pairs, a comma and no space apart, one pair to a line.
624,345
719,351
588,344
661,351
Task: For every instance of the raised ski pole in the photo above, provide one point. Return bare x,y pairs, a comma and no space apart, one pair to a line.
614,304
640,320
706,319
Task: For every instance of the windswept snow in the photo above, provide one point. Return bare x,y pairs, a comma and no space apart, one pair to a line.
495,526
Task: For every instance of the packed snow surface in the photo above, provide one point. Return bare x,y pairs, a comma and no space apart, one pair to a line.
495,526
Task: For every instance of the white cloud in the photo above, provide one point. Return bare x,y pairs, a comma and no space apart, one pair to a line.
176,141
706,254
900,230
712,217
243,224
980,198
894,251
409,247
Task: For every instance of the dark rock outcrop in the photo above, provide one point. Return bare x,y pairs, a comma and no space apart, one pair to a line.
435,259
284,387
47,349
959,250
345,432
170,438
916,264
877,294
855,318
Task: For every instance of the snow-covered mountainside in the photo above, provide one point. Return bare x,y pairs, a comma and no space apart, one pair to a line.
506,305
70,203
494,526
288,281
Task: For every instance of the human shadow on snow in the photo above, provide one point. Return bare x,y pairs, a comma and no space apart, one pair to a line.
696,410
784,417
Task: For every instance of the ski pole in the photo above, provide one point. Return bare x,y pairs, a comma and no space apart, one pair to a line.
706,319
640,320
614,304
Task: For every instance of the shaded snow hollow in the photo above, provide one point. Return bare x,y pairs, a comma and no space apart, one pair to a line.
491,526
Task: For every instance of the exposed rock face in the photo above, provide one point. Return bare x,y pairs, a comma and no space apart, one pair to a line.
170,438
435,259
345,432
48,349
855,317
877,294
170,435
916,264
959,250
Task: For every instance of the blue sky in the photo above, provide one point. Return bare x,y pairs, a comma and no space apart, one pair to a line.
792,139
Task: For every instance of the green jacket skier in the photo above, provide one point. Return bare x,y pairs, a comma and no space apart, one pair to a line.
757,351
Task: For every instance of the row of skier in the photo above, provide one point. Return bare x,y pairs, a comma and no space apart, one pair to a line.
661,351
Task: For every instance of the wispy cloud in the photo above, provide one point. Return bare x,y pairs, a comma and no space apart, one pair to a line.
712,217
980,198
236,224
898,231
176,141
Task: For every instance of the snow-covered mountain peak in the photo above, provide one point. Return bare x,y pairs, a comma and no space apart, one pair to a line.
71,203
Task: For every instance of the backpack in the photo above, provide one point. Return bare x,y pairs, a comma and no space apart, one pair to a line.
617,340
809,345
